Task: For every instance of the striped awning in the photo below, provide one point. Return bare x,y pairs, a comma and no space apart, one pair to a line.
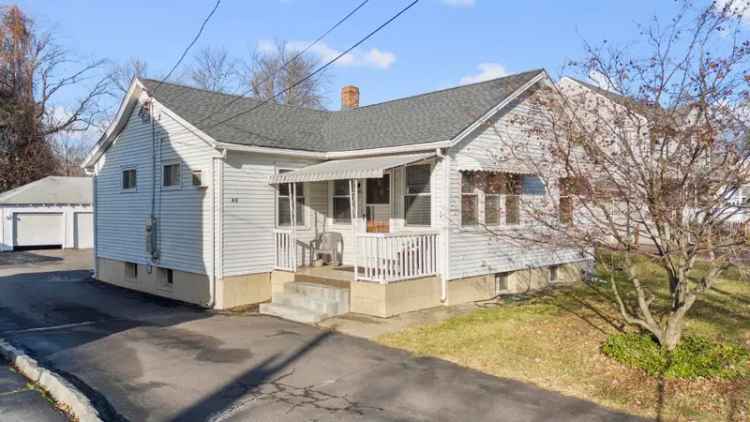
355,168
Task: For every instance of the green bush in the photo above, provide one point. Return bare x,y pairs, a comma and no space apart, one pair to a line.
694,357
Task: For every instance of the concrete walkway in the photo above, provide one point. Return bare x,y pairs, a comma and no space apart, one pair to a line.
142,358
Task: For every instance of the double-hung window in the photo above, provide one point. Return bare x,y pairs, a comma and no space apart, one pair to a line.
129,179
513,199
284,196
493,187
566,200
342,206
417,196
470,198
171,175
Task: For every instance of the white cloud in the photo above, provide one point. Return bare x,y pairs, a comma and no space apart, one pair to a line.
487,71
373,58
459,3
381,59
737,7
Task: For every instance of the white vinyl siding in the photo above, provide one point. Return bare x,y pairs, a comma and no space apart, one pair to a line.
472,250
250,212
183,228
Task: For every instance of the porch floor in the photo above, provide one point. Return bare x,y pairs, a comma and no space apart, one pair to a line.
336,276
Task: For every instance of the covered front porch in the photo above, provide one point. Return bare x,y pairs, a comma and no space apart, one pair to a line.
377,210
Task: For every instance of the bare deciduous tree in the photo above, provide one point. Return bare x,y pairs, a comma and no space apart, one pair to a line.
123,74
276,70
215,70
34,73
649,166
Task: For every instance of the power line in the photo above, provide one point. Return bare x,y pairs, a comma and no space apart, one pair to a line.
321,68
192,43
296,56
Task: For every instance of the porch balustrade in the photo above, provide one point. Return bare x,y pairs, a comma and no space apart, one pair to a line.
387,257
286,256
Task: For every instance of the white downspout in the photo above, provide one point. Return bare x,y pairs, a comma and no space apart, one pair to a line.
445,254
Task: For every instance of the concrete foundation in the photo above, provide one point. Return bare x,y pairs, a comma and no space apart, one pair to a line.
384,300
381,300
189,287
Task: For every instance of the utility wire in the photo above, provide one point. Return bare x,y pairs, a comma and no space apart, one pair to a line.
319,69
187,49
286,63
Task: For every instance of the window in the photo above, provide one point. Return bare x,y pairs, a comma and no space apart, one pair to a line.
131,271
417,198
568,188
469,198
171,175
501,283
197,178
128,179
513,199
553,274
493,187
167,277
342,211
284,213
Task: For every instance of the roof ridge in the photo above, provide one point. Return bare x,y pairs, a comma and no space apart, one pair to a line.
226,94
535,71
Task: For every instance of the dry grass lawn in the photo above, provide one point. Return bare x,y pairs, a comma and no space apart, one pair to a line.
553,340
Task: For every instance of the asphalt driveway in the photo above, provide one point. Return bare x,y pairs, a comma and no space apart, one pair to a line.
142,358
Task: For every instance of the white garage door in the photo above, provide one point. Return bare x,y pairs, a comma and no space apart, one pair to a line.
37,229
84,230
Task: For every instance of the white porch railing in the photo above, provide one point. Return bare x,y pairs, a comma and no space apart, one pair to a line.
286,252
386,257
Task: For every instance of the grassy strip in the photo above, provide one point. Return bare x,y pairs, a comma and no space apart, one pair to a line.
554,340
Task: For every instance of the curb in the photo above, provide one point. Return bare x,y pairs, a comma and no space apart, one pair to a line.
58,387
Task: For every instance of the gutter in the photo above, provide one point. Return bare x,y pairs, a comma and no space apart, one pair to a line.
332,155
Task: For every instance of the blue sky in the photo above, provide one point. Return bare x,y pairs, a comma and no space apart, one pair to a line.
437,44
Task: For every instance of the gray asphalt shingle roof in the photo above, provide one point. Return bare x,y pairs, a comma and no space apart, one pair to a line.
51,190
430,117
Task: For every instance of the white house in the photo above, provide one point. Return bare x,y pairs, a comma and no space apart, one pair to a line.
193,192
50,212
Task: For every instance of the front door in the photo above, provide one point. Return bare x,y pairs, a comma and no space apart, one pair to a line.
378,204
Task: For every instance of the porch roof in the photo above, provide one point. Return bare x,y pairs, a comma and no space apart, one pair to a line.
355,168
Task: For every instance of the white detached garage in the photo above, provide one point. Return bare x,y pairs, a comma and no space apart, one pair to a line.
54,211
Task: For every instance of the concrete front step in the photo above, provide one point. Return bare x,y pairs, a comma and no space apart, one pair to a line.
318,291
307,302
292,313
313,303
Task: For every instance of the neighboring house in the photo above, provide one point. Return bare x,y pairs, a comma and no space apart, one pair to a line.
193,191
51,212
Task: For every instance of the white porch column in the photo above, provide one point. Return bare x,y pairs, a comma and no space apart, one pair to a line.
293,223
354,210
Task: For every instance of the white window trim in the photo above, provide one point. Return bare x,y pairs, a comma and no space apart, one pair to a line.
500,209
203,184
331,196
305,215
177,186
405,193
123,169
476,193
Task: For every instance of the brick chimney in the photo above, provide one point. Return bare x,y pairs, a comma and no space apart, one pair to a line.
349,97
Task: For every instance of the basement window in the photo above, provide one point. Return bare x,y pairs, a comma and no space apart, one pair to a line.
553,270
131,271
501,283
167,277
